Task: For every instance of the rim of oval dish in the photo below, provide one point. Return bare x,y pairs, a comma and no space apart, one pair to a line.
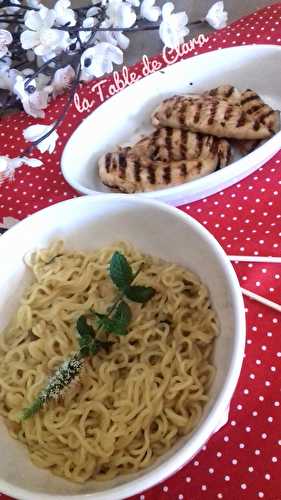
210,424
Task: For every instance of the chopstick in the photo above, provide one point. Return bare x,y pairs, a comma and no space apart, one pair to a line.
262,300
252,295
252,258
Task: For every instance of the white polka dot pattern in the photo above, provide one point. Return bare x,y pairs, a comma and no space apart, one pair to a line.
244,457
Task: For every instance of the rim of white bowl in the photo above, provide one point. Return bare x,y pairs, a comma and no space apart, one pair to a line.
208,427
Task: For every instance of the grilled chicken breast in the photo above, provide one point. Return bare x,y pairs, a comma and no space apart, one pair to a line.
208,115
251,103
256,108
130,174
228,92
166,144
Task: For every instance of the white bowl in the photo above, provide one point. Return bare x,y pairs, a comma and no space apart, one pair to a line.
122,118
88,223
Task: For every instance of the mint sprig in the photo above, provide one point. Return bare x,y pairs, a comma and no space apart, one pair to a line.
115,322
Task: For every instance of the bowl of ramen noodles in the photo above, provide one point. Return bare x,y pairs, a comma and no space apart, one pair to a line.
122,335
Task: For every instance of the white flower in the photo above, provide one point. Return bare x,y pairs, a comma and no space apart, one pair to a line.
98,60
34,132
120,14
62,79
149,11
34,4
8,78
122,40
112,37
134,3
92,12
33,101
173,28
41,82
64,15
9,165
30,56
47,57
89,22
5,64
106,36
13,10
98,2
5,39
217,16
5,81
40,36
27,72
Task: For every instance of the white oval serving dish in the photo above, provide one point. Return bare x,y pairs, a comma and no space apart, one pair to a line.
87,223
124,117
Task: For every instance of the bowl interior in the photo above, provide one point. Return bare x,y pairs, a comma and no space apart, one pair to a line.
87,223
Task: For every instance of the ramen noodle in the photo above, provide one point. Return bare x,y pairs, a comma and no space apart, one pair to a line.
130,405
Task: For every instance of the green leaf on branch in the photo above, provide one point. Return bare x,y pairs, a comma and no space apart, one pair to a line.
141,294
83,328
122,318
88,346
120,271
87,342
119,322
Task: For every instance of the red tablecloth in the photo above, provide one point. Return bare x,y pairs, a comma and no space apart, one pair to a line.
244,458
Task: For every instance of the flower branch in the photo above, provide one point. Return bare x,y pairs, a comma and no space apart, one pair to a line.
45,52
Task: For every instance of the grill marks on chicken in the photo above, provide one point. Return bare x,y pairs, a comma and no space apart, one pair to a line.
166,144
131,174
212,115
228,92
251,103
256,110
255,107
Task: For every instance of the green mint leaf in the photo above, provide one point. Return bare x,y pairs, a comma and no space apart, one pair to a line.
84,344
120,271
121,318
88,346
140,294
110,326
104,322
118,324
94,347
83,328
